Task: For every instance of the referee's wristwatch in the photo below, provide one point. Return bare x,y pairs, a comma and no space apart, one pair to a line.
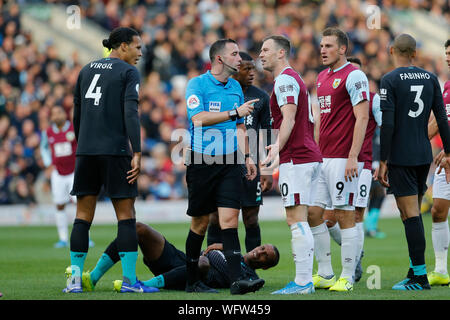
233,114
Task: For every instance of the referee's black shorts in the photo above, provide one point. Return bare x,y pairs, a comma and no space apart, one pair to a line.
211,186
93,172
407,180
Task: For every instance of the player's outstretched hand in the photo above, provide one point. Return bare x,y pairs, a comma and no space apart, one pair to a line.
438,158
383,174
445,164
214,246
273,153
351,169
375,173
133,174
247,108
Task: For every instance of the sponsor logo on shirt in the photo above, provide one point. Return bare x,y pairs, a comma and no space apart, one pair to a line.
214,106
336,83
360,84
383,94
62,149
193,101
286,88
249,120
325,104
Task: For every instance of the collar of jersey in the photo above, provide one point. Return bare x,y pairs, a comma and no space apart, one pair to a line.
217,82
288,67
340,68
64,128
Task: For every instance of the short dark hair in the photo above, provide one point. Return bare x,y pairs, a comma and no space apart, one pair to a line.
58,106
341,36
119,35
404,45
277,257
354,60
447,43
218,46
282,42
245,56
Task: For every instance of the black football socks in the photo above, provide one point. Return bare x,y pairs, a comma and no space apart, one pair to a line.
127,245
252,237
193,247
415,236
214,234
79,245
232,252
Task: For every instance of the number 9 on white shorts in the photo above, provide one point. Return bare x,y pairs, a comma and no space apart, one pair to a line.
332,190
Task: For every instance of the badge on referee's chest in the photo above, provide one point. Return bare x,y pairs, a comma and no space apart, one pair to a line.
214,106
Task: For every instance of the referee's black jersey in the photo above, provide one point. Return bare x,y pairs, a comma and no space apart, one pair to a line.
218,274
259,118
409,94
100,116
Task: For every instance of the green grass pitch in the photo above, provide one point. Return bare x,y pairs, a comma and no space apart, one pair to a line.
31,269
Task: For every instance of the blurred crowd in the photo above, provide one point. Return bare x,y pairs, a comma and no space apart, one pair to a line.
176,35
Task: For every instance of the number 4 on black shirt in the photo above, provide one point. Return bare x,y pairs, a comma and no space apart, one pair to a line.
101,94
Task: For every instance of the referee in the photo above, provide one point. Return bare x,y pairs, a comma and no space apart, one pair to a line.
215,107
251,198
106,122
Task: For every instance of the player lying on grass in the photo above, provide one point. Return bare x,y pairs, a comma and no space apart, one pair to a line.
168,264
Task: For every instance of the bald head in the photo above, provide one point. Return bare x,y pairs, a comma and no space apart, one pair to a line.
405,45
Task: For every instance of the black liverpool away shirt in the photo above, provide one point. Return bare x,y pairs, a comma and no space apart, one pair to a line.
105,99
258,119
408,94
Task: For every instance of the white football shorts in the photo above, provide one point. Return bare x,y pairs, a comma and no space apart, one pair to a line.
364,184
332,190
61,187
297,183
441,189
